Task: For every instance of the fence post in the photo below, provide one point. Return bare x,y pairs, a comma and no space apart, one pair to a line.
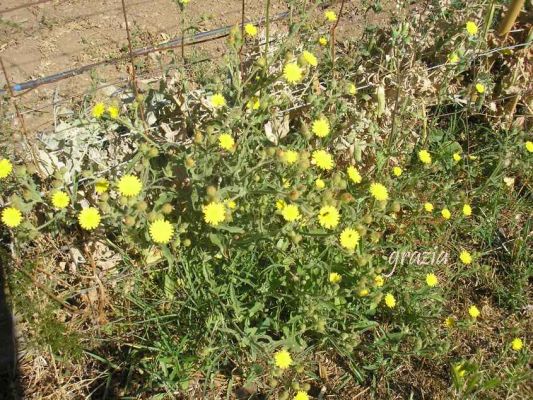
20,117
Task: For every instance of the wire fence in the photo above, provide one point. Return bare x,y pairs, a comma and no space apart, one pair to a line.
40,110
33,101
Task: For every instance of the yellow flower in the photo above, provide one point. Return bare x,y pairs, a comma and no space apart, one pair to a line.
330,16
308,58
218,100
428,207
456,157
320,127
471,28
253,103
320,184
480,88
89,218
363,292
323,160
352,89
129,186
214,213
11,217
226,141
161,231
328,217
432,280
292,73
290,212
449,322
465,257
379,281
250,29
335,277
379,191
323,41
283,359
390,301
349,238
98,110
467,210
424,156
101,186
60,199
453,58
397,171
459,370
446,214
353,174
113,112
5,168
474,312
517,344
280,204
301,395
529,146
290,156
231,204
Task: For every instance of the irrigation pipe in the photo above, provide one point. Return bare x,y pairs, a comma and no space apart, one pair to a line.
192,40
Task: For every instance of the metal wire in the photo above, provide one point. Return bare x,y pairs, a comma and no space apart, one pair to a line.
114,83
298,91
191,40
186,41
370,84
25,5
153,128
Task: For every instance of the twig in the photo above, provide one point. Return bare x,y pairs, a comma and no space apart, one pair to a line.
132,61
44,289
20,118
333,29
267,32
243,15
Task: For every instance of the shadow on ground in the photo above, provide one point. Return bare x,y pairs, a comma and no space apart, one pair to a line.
10,387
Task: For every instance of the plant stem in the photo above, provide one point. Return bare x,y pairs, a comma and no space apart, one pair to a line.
267,32
333,29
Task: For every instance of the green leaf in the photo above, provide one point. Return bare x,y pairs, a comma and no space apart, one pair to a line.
169,287
232,229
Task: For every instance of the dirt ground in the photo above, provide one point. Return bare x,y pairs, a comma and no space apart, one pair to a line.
39,38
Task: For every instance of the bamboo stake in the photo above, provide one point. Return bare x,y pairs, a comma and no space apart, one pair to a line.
510,17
